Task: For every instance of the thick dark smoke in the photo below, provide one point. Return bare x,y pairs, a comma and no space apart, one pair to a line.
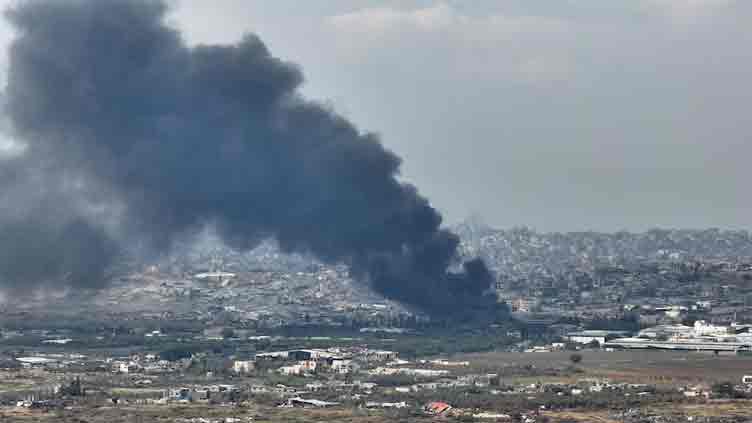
181,137
51,229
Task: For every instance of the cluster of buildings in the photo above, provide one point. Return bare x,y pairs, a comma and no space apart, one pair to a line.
145,363
373,379
573,274
198,393
335,361
702,336
589,274
252,296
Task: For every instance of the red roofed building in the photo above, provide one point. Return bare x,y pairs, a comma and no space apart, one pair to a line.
437,407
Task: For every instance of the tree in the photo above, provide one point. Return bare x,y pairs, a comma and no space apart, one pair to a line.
575,358
725,389
176,353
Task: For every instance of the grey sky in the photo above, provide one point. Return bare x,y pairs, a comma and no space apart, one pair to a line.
561,115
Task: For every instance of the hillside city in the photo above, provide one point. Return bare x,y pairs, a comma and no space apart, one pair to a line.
657,277
270,335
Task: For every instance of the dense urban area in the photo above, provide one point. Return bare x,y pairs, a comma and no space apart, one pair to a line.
590,327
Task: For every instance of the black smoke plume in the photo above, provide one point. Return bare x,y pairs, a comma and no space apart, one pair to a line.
179,137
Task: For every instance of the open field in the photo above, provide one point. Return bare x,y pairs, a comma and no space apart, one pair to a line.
656,367
169,414
28,379
710,409
582,416
129,414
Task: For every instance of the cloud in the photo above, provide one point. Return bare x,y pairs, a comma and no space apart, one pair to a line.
693,5
9,148
441,17
384,19
687,12
477,42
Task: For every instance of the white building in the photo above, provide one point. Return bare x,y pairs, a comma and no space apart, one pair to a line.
588,336
703,328
29,362
243,366
447,363
300,368
379,355
372,404
343,366
670,331
215,276
411,372
58,341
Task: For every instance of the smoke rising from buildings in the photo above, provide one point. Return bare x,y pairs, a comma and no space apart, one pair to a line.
131,133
